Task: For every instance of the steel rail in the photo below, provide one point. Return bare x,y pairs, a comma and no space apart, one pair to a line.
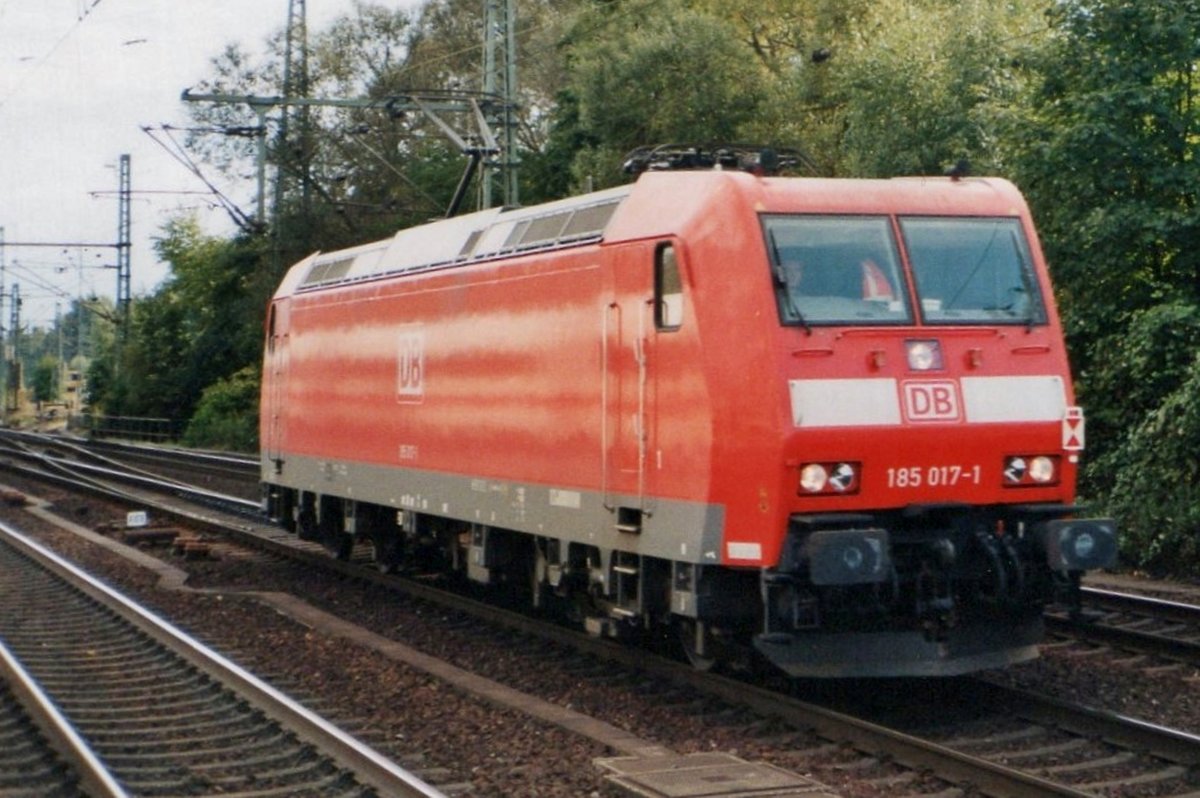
367,764
231,466
155,483
1157,643
235,462
71,479
1120,730
1147,605
94,777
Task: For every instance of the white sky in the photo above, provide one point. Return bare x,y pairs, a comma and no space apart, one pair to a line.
78,81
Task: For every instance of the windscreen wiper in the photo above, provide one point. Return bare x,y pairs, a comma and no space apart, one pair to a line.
1026,282
781,281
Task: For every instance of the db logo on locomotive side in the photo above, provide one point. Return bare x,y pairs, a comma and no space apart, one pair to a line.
410,365
929,400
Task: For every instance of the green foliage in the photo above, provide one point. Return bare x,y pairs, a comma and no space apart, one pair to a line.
1143,364
1144,432
101,384
149,378
546,174
75,334
669,74
914,87
1107,154
202,324
45,379
227,414
1156,483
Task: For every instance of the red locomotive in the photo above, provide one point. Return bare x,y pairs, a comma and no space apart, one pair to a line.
830,420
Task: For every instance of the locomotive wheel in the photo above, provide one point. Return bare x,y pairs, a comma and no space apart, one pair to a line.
689,631
535,569
306,524
385,551
339,544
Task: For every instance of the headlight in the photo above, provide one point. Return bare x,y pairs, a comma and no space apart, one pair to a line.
1026,470
1041,469
845,477
1015,469
924,355
813,478
829,478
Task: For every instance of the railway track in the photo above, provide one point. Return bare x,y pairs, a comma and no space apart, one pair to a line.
233,474
72,464
162,713
227,478
42,754
1017,744
1144,627
1141,625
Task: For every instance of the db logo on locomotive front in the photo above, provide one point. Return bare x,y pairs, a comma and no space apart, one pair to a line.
931,400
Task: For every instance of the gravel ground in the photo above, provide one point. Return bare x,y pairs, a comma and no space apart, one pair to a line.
1159,692
505,753
463,740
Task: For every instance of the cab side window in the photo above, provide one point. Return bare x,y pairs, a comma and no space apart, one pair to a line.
668,289
271,329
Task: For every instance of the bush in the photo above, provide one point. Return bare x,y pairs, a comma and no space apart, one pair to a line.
227,415
1156,485
1142,365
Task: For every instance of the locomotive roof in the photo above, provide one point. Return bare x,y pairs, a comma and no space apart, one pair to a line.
484,235
658,203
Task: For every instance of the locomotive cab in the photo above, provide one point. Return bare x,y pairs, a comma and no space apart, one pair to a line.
934,439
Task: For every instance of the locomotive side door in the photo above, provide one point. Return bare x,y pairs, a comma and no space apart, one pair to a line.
628,364
276,372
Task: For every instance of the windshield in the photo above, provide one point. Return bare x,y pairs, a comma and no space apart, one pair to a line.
847,270
973,270
836,269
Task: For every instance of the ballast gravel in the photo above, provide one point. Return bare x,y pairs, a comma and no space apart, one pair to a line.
470,747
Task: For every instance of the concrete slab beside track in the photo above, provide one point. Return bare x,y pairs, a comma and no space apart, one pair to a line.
708,775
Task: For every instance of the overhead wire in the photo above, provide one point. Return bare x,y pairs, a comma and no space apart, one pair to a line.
629,9
83,14
38,281
48,289
383,160
177,151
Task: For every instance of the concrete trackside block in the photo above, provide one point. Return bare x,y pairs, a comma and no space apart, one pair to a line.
707,775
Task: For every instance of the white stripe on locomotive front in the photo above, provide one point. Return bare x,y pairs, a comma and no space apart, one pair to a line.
875,402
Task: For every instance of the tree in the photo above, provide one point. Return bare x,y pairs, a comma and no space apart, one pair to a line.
1155,478
909,88
227,414
45,380
360,173
203,323
1109,162
668,75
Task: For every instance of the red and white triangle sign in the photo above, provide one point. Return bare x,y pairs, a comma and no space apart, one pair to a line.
1072,431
